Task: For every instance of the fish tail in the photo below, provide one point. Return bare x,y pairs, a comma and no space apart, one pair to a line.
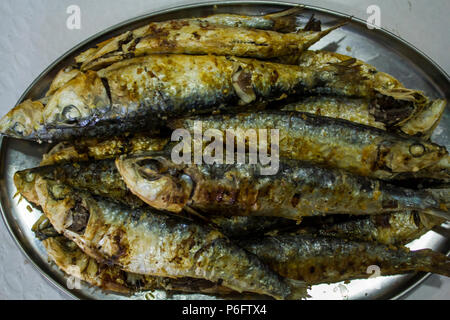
298,289
337,26
315,37
286,20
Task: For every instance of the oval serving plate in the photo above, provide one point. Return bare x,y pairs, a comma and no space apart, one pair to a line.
380,48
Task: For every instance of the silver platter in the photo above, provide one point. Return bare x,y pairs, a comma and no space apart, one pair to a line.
378,47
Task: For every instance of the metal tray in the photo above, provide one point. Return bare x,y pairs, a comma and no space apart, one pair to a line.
378,47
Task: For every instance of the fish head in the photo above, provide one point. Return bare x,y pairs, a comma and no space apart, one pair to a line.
78,101
411,155
156,180
68,211
23,121
25,182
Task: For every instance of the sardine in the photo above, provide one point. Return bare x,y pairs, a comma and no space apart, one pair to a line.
74,262
147,242
298,189
101,178
195,36
283,21
326,259
140,94
363,150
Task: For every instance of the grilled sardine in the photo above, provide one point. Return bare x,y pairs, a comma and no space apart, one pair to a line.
140,94
298,189
363,150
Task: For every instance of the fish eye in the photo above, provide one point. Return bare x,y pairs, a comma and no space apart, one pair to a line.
417,150
70,114
18,128
149,169
149,164
187,179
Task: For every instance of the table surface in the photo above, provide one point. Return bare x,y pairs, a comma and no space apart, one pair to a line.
34,34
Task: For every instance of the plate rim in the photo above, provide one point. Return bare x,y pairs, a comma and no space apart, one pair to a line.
411,284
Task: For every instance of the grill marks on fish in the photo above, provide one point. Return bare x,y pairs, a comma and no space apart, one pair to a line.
363,150
240,189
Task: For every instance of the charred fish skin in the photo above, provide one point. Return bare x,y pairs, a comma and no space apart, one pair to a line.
125,96
362,111
327,260
351,109
73,261
319,58
284,21
397,228
248,226
196,36
241,189
388,89
360,149
154,243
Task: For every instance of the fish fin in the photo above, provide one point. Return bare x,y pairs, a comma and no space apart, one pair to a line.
286,20
313,24
298,289
313,37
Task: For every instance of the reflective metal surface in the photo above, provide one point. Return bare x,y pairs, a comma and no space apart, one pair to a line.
377,47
